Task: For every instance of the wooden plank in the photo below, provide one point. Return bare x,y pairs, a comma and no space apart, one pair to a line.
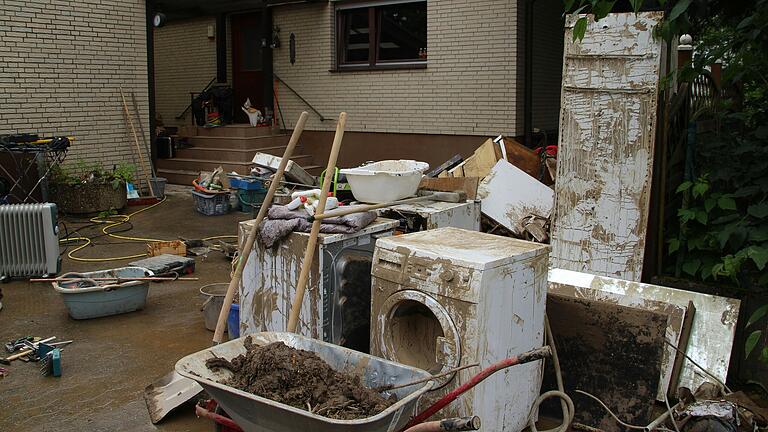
482,161
522,157
508,195
611,351
466,184
675,316
712,332
605,156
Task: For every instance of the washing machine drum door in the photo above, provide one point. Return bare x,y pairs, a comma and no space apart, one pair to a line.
416,330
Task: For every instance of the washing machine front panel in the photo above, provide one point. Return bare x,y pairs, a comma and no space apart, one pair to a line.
418,331
439,277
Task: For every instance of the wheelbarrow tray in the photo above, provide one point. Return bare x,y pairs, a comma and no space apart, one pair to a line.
258,414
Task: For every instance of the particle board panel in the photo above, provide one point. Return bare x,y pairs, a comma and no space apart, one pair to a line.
712,330
675,316
611,351
607,128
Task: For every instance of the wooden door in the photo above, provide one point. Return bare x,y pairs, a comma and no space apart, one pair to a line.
247,62
605,159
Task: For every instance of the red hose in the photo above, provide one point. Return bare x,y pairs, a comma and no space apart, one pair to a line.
220,419
536,354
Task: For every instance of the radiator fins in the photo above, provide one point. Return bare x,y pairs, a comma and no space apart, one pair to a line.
29,244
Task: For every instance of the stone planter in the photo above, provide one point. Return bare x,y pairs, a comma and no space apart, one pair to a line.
89,197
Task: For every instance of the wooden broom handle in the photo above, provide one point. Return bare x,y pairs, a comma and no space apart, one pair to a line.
147,173
309,254
245,252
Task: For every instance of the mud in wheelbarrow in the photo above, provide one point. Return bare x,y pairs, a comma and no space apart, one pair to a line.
257,414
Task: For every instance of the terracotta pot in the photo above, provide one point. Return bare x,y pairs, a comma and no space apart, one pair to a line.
89,197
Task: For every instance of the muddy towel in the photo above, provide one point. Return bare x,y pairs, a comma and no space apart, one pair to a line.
280,222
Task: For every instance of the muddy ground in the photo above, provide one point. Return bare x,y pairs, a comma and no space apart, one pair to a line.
301,379
113,358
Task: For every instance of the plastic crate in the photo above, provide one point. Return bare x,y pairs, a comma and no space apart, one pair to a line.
211,204
247,183
250,200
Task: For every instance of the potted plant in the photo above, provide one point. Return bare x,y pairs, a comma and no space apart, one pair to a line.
88,188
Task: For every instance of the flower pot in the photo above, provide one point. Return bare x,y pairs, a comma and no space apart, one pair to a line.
88,197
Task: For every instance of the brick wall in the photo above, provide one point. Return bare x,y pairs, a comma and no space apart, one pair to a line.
185,61
61,65
468,88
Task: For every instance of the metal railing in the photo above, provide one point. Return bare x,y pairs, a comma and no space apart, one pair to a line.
322,117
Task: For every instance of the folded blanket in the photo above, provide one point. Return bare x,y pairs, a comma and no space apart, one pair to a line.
280,222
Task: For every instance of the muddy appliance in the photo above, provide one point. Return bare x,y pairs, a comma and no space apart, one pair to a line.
421,216
336,305
449,297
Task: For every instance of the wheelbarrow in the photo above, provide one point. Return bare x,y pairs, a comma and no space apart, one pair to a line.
253,413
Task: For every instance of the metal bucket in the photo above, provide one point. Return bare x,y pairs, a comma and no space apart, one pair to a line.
214,294
257,414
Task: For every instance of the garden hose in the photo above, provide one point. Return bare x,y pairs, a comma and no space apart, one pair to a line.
114,221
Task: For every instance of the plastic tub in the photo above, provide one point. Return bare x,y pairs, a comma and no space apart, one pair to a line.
250,200
247,183
257,414
90,300
214,294
233,321
158,185
211,204
384,181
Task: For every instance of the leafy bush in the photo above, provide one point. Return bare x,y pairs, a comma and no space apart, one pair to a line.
83,172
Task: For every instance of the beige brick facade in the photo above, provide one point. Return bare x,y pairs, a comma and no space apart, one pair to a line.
468,88
185,61
61,65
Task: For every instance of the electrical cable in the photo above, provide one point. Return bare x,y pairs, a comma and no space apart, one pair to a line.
113,221
566,402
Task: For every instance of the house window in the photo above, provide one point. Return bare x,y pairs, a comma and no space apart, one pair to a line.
382,35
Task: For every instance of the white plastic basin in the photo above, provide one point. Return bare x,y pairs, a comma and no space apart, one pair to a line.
384,181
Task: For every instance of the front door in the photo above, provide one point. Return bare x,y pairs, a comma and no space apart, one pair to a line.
247,74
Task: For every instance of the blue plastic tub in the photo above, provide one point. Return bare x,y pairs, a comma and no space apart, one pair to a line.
94,299
247,183
233,321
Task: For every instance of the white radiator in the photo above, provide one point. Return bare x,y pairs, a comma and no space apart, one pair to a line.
29,244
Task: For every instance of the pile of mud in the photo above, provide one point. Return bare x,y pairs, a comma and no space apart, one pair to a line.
301,379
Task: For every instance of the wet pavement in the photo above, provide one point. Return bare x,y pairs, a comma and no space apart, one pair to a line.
113,358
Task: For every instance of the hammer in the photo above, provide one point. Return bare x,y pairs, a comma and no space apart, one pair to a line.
10,358
424,195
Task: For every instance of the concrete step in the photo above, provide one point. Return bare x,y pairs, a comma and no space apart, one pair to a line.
235,130
197,165
239,142
229,154
179,177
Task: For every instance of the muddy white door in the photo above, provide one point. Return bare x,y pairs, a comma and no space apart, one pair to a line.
605,159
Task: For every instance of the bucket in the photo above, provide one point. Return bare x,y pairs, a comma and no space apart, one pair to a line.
233,321
158,185
214,294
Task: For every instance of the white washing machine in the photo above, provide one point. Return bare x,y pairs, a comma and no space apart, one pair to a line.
449,297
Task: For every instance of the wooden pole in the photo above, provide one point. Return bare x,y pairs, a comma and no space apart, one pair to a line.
245,252
138,147
309,254
147,147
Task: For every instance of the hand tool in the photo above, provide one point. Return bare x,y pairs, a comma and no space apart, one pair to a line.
9,359
146,173
306,265
51,363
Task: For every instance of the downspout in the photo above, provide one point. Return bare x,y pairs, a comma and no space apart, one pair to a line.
150,28
528,80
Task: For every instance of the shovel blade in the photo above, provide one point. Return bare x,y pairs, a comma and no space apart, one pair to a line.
167,393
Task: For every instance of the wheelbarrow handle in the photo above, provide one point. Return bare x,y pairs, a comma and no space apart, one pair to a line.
526,357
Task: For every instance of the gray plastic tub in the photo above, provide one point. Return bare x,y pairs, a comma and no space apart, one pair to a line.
257,414
92,300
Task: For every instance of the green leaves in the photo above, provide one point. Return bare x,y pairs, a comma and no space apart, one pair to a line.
580,29
692,266
759,255
751,342
700,188
757,315
680,7
759,211
726,203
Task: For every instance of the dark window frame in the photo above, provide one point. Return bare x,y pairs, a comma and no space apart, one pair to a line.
374,23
